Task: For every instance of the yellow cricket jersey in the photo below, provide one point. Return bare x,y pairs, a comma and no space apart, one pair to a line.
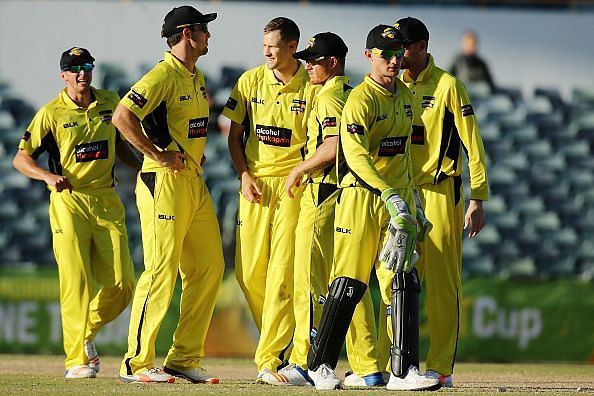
444,124
172,104
375,136
324,121
274,117
80,142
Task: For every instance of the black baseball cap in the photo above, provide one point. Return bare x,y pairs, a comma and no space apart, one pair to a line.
180,17
323,44
412,30
383,37
75,56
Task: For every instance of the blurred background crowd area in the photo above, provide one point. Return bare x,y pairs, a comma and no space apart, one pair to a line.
539,139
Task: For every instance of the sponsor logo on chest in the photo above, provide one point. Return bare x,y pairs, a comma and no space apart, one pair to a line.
392,146
71,124
197,127
428,101
91,151
298,106
273,136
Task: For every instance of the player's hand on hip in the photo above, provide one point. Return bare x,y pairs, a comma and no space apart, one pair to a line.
293,181
474,220
59,182
249,188
172,159
399,249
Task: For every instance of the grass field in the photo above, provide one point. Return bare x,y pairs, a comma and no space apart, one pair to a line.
32,374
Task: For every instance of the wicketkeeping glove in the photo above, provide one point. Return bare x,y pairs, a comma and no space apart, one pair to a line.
423,224
398,251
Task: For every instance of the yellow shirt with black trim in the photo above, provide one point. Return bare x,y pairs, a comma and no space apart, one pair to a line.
324,121
375,136
172,104
274,116
445,124
80,142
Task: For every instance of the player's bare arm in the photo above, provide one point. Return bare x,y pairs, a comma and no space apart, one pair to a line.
475,217
129,125
325,155
249,185
24,163
125,153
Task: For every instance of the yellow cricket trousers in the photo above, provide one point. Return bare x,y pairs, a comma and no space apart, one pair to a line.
180,233
313,262
90,242
265,248
361,224
440,267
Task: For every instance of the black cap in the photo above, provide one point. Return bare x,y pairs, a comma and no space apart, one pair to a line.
412,29
75,56
180,17
323,44
383,37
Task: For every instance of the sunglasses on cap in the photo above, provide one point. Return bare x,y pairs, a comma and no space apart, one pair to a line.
78,68
203,27
388,54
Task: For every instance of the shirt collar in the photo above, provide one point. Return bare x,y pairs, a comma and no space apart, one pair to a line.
296,82
373,84
424,74
69,103
334,81
176,64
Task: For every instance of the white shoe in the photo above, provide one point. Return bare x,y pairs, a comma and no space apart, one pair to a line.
261,374
324,378
151,375
445,380
92,355
374,379
291,375
80,371
196,375
412,381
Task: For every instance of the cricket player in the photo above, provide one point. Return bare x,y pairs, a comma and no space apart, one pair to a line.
444,127
324,58
87,217
165,115
267,109
375,209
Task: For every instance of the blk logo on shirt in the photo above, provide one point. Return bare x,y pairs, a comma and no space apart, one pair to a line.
91,151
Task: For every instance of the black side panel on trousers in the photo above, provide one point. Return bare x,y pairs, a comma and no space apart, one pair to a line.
324,191
148,178
343,296
405,322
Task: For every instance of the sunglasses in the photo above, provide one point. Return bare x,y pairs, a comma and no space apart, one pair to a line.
388,54
203,27
78,68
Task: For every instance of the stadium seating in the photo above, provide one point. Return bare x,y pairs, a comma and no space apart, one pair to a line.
540,216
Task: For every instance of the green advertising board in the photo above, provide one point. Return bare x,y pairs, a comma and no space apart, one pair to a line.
502,320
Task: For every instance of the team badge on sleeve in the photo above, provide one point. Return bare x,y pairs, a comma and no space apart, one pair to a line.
467,110
26,136
231,103
355,128
329,122
137,98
